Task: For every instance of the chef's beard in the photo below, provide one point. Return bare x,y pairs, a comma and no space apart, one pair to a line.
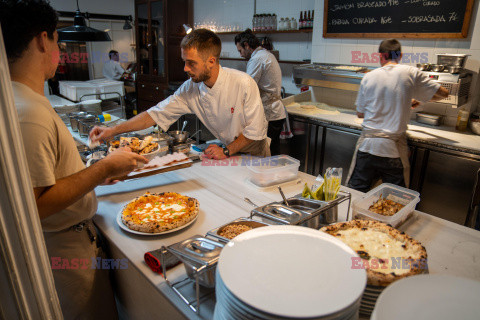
205,75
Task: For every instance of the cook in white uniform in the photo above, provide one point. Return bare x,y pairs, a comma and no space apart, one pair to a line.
385,99
227,102
263,67
112,68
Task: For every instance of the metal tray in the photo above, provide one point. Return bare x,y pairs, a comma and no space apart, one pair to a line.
428,118
215,233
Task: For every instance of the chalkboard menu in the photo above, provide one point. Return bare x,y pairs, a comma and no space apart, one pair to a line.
397,18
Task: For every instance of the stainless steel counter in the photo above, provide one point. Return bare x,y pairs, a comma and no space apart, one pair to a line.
220,189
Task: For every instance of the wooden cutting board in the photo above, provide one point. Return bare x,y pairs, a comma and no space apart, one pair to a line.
153,171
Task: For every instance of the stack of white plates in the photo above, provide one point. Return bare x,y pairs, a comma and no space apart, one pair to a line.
63,110
286,272
92,106
429,297
369,298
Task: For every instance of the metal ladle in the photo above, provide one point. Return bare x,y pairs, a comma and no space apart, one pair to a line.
184,125
283,196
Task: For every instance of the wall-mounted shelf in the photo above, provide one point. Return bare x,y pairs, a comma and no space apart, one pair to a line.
279,61
270,32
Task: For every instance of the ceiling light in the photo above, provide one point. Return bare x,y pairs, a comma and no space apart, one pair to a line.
127,25
79,32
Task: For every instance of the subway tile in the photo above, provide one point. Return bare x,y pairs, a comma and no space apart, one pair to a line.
332,53
424,43
349,41
364,41
445,50
318,53
346,54
330,41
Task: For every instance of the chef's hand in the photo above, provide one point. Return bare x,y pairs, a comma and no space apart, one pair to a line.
121,162
415,103
214,152
101,134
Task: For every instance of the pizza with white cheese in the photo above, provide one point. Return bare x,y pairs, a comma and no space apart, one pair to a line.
386,253
156,213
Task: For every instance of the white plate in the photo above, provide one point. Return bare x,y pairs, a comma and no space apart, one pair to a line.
429,297
124,227
291,271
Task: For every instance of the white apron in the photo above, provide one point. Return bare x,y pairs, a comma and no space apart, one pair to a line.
402,147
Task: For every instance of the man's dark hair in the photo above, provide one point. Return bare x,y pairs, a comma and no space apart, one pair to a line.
112,53
248,37
205,41
390,49
22,20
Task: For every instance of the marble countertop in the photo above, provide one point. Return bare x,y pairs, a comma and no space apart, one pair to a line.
452,249
441,136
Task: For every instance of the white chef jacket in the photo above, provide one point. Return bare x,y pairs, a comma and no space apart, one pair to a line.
265,70
112,70
385,97
231,107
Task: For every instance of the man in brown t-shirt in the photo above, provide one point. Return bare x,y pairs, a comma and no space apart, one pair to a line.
63,187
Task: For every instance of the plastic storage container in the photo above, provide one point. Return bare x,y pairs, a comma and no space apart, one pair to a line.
265,172
407,197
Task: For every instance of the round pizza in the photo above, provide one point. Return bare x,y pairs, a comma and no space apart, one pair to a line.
386,253
155,213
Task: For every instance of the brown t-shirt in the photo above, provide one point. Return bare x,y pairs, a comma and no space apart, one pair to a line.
51,154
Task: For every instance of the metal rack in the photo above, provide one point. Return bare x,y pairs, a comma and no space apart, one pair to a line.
177,285
122,101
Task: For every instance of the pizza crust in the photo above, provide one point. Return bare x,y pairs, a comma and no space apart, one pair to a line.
412,250
131,220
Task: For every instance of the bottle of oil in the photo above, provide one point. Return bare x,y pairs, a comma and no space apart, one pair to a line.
462,120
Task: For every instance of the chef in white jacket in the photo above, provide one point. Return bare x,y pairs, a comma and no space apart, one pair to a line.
227,102
112,68
263,67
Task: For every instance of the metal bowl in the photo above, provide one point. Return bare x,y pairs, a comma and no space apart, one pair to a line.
424,66
438,68
179,136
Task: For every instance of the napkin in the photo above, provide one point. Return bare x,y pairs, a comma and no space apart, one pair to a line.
153,260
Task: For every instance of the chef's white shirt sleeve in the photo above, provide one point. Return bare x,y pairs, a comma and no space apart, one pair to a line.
255,69
424,87
119,71
361,101
169,110
256,123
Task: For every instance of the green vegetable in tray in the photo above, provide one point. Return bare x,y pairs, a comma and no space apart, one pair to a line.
307,193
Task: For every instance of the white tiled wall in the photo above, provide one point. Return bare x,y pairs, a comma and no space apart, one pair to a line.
240,13
331,50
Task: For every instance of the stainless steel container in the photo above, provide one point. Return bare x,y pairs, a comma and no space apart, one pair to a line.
429,118
84,124
452,59
200,256
74,116
179,136
241,221
163,146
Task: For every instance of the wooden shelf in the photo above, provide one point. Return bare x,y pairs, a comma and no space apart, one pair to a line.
279,61
270,32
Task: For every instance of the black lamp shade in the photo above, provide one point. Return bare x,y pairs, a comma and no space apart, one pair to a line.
79,32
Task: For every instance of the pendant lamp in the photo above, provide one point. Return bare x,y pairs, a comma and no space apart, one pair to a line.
79,32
